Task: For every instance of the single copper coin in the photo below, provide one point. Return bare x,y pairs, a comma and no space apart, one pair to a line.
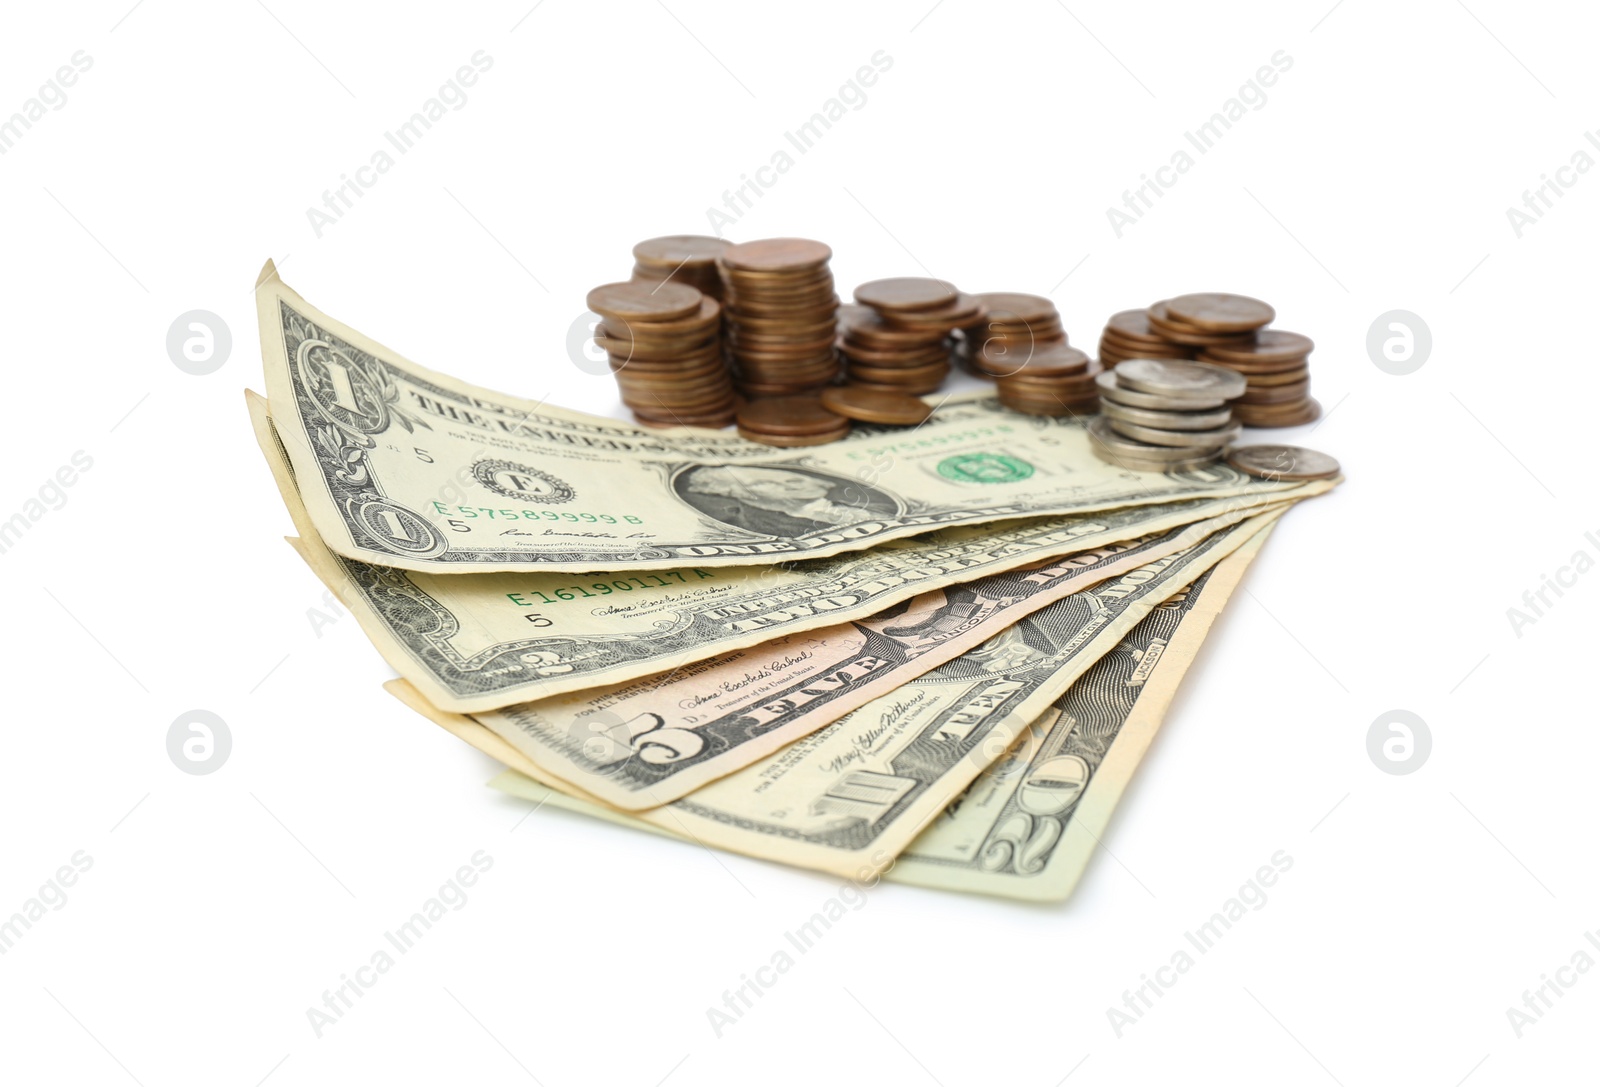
809,327
997,322
920,356
786,441
775,276
918,388
961,310
1254,370
1038,361
816,371
870,406
1134,325
789,415
1266,381
1270,345
1179,332
821,308
626,353
875,330
777,255
1118,354
754,391
1213,311
784,356
673,409
708,315
1136,347
1018,308
891,375
1308,411
644,301
907,293
657,345
630,376
715,422
1276,394
680,251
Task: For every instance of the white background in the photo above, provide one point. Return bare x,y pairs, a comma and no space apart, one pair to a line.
1377,176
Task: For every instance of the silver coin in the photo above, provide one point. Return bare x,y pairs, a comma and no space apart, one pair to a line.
1169,420
1102,436
1185,439
1283,462
1178,378
1106,381
1139,464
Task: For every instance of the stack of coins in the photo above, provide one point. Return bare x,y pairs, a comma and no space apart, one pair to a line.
1225,330
1164,415
780,311
665,345
791,421
1277,378
1013,327
1054,380
1128,335
902,342
690,259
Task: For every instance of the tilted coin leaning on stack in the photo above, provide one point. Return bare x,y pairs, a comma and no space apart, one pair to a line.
990,620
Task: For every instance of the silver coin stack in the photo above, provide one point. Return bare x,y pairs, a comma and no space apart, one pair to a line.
1164,415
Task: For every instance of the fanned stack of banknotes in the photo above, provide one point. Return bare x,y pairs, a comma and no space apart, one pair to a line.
933,655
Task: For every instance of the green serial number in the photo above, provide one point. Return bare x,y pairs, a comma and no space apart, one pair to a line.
664,580
471,512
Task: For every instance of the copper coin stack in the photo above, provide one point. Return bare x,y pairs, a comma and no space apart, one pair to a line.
665,345
1052,380
1013,327
897,337
1277,378
780,313
690,259
791,421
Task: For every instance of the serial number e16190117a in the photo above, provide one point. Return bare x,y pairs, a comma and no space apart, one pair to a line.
665,579
470,513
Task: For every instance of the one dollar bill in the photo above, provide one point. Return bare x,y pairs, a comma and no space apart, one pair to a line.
405,467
